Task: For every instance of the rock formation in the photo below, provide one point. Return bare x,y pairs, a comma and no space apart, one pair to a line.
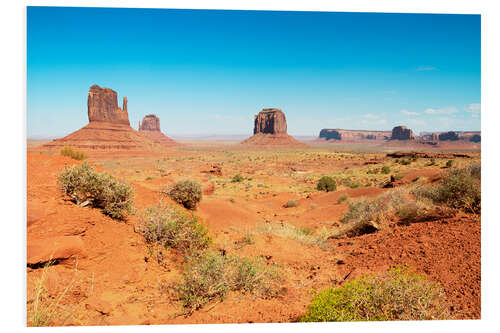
150,127
270,121
102,104
453,136
270,129
448,136
108,128
402,133
353,135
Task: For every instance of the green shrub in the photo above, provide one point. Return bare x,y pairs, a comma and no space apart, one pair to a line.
326,183
186,192
170,227
291,203
460,189
211,276
398,176
342,198
398,294
237,178
85,186
386,170
449,163
73,153
432,162
405,162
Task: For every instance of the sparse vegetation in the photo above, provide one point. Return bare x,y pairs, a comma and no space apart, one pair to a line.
398,294
173,228
291,203
212,275
237,178
187,193
45,309
449,163
398,176
248,239
460,189
73,153
302,235
326,183
342,198
367,215
85,186
386,170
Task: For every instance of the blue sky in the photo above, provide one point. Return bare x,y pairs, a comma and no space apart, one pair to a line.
210,71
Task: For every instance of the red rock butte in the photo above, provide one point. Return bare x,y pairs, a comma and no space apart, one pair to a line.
270,129
108,128
150,127
402,133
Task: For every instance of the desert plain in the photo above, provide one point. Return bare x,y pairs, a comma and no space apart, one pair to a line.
261,201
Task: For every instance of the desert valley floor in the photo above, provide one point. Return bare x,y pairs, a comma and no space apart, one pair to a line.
109,275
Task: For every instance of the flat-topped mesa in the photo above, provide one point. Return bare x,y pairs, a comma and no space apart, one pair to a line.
270,121
102,104
353,135
402,133
150,123
467,136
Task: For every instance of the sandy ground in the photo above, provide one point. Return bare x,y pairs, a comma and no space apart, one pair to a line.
111,280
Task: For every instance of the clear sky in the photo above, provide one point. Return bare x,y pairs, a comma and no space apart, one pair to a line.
210,71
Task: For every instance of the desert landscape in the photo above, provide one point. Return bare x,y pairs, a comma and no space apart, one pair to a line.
129,226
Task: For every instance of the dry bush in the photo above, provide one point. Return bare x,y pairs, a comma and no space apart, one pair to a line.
291,203
369,215
302,235
45,309
85,186
398,294
210,275
342,198
460,189
187,192
73,153
173,228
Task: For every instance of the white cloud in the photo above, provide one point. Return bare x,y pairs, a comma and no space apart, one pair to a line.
474,108
409,113
426,68
446,110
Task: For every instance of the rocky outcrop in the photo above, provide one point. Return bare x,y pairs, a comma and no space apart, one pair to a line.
55,248
470,136
270,130
402,133
353,135
150,127
449,136
102,104
150,123
270,121
108,128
